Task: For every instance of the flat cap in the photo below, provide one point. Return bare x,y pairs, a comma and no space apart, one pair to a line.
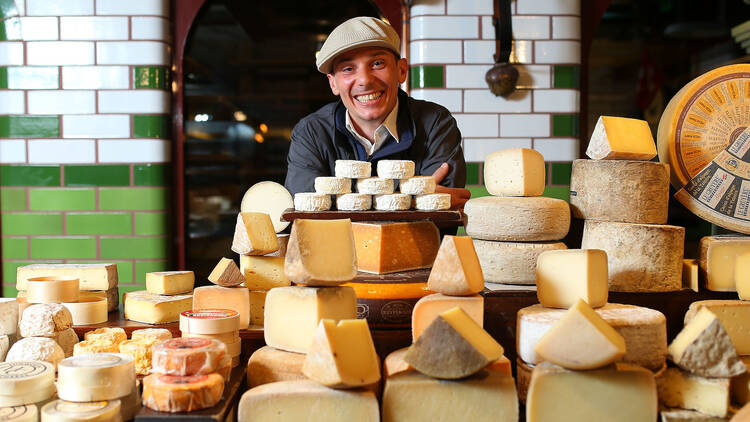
363,31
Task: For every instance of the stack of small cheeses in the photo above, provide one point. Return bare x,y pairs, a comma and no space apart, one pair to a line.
516,224
25,386
624,199
215,324
373,192
167,295
47,334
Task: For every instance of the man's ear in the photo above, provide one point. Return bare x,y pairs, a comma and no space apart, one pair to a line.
332,83
403,70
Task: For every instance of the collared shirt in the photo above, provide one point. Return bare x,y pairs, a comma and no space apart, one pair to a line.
388,127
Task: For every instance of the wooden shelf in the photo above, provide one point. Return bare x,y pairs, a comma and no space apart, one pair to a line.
442,219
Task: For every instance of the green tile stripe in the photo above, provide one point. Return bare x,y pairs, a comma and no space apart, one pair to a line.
143,267
15,248
26,223
119,199
565,125
426,77
63,247
22,175
147,126
99,175
153,77
560,173
566,77
151,223
12,199
10,29
62,199
29,126
151,174
154,247
37,77
472,173
98,223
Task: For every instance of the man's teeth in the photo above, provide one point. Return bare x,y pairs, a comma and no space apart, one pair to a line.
368,97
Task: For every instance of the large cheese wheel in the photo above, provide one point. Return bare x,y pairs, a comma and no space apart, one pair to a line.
620,190
187,356
168,393
641,257
270,198
511,262
517,219
21,377
96,376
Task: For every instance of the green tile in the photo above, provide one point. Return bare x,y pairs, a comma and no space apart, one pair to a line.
477,191
565,125
10,29
560,173
10,291
31,223
151,174
29,126
151,77
20,175
101,175
63,247
124,268
8,9
559,192
145,126
98,223
472,173
151,223
12,199
134,247
143,267
62,199
36,77
15,248
426,77
133,199
129,288
566,77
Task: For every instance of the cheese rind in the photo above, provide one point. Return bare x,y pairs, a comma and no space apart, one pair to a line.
113,334
682,389
620,138
321,253
93,377
395,169
170,282
187,356
565,276
375,186
270,198
396,363
311,201
429,307
67,339
332,185
169,393
102,345
226,273
35,348
236,298
734,316
511,262
742,275
456,270
263,272
718,255
388,247
44,320
148,308
682,415
90,276
254,234
517,219
267,365
418,185
353,202
432,202
352,169
391,202
515,172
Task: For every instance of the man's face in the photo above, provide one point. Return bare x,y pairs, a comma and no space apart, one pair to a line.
367,81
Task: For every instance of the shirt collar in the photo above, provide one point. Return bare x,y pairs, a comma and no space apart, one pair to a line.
389,126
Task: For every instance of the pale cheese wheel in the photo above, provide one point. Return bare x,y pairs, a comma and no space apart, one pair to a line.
640,257
395,169
169,393
353,169
392,202
96,411
35,396
209,321
52,289
44,320
88,310
529,219
620,190
95,376
353,202
332,185
187,356
311,201
511,262
432,201
270,198
417,185
21,413
21,377
644,331
375,185
36,348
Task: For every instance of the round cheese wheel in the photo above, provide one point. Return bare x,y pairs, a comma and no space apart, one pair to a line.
432,201
187,356
44,320
209,321
270,198
375,185
333,185
88,310
35,348
65,411
353,202
96,376
21,377
353,169
52,289
169,393
392,202
418,185
514,219
34,396
395,169
511,262
22,413
311,201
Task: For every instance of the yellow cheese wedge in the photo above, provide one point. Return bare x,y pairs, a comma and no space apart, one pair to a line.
565,276
717,260
321,253
429,307
456,270
734,316
682,389
263,272
581,339
515,172
254,234
170,282
620,138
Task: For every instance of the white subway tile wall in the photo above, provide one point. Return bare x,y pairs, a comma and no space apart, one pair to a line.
39,28
154,101
469,7
94,28
134,151
477,125
12,102
133,7
96,126
448,98
442,27
62,151
132,52
432,52
96,77
11,53
535,125
12,151
62,101
59,53
59,7
428,7
149,28
477,149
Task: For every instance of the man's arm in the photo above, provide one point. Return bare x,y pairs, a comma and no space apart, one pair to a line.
304,161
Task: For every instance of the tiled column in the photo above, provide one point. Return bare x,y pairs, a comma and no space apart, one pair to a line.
84,142
452,45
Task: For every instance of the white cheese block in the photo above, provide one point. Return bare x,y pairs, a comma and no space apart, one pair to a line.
96,376
8,315
98,411
682,389
311,201
734,316
353,202
44,320
333,185
395,169
392,202
67,339
511,262
432,201
22,377
269,198
641,257
353,169
90,276
36,348
515,172
517,219
619,190
375,185
21,413
644,331
417,185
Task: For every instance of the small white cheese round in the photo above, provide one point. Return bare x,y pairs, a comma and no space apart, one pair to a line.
395,169
311,201
375,186
353,169
432,201
392,202
354,202
418,185
333,185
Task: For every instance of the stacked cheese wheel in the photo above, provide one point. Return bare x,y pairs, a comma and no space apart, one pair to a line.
47,334
624,199
167,294
28,384
215,324
516,224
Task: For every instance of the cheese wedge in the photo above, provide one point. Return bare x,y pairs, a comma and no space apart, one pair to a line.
620,138
456,270
429,307
321,253
396,363
226,273
254,234
514,172
170,282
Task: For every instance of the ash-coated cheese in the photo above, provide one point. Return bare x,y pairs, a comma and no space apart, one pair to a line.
392,202
734,316
678,388
254,234
270,198
644,331
8,316
36,348
90,276
375,186
417,185
619,190
515,172
353,202
333,185
511,262
312,201
429,307
432,201
395,169
718,256
353,169
395,363
620,138
641,257
517,219
44,320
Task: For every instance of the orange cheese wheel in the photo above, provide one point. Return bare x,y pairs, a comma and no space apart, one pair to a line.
187,356
168,393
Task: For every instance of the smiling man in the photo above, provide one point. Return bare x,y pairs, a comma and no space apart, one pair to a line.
374,119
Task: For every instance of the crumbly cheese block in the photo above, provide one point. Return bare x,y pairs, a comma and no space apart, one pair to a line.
432,201
353,202
321,253
292,401
20,413
566,276
734,316
392,202
342,355
170,393
375,186
515,172
170,282
704,348
395,169
581,339
187,356
682,389
67,411
54,289
517,219
620,138
267,365
417,185
283,239
456,270
149,334
429,307
67,339
717,260
96,345
226,273
742,275
113,334
90,276
148,308
93,377
263,272
23,377
292,314
312,201
486,396
270,198
396,363
352,169
690,277
617,190
389,247
644,331
453,346
333,185
4,346
8,315
622,393
254,234
236,298
140,351
682,415
257,306
511,262
35,348
210,321
44,320
88,310
740,385
641,257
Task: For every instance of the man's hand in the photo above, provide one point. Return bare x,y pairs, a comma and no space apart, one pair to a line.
459,196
